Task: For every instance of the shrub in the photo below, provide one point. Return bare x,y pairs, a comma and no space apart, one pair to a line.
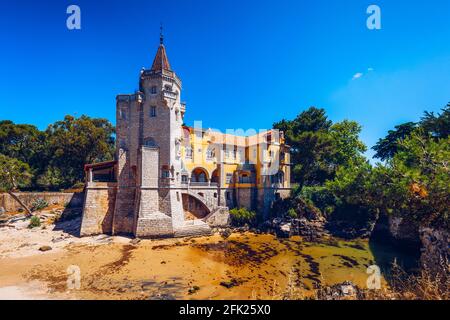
78,185
292,213
39,204
242,216
34,222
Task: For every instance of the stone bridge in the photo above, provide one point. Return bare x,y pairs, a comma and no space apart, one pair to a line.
205,196
215,215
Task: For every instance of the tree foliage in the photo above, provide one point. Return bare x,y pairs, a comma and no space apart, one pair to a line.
13,175
416,182
57,155
436,126
75,142
319,147
335,177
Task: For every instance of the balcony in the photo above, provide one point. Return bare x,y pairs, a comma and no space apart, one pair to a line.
170,94
199,184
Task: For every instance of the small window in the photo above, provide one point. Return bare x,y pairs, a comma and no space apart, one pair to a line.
189,153
123,114
152,111
210,153
153,90
184,179
229,177
215,194
228,195
165,173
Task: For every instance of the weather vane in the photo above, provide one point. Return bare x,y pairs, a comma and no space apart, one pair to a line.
161,36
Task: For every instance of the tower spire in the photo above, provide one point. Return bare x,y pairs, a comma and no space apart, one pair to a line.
161,62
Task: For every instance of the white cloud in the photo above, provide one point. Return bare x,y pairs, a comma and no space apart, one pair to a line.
357,75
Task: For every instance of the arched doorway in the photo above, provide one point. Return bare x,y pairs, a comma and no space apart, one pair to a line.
193,208
215,177
199,175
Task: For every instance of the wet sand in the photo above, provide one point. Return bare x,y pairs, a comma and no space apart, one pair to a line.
244,266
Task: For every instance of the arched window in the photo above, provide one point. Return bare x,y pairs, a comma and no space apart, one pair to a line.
199,175
215,178
188,152
152,111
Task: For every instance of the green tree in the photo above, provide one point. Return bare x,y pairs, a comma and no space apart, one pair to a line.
438,126
387,147
311,144
75,142
416,182
319,147
347,147
51,179
25,143
14,174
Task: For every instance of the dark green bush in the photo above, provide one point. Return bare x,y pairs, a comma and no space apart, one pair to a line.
39,204
34,222
242,216
292,213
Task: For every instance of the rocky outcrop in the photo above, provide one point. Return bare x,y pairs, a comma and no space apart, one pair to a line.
435,252
299,218
397,231
342,291
310,230
219,218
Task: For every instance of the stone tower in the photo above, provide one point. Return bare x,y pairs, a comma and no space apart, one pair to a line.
149,136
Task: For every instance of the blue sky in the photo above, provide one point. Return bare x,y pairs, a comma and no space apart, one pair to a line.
244,64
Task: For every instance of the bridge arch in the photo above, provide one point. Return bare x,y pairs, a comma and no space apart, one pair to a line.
195,206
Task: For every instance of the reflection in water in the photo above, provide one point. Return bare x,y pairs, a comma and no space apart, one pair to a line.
243,266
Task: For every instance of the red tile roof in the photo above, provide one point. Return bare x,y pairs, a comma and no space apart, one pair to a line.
161,62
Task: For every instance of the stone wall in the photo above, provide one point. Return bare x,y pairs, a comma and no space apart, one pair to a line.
74,200
98,209
156,225
245,198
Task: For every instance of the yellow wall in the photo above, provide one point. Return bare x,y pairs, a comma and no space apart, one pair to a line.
255,153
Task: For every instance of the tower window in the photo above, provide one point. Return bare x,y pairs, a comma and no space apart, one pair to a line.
123,114
152,111
153,90
165,174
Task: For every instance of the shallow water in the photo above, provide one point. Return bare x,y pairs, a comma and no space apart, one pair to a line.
243,266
